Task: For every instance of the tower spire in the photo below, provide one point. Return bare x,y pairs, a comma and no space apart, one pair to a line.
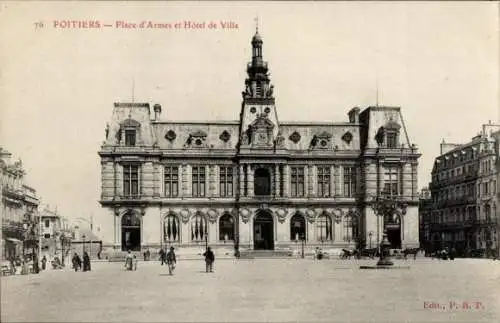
256,24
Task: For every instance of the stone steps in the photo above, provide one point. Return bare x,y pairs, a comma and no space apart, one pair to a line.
252,254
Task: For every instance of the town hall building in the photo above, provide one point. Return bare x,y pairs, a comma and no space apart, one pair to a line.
257,182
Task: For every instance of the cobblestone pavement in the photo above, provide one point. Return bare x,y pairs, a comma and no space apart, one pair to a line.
259,290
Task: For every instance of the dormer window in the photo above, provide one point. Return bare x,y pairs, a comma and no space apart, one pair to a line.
391,139
388,135
130,137
128,132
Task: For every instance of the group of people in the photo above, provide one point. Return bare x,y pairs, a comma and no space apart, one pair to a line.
170,260
77,262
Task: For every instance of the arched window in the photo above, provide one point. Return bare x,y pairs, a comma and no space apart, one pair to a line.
226,227
171,229
351,229
198,228
324,227
297,227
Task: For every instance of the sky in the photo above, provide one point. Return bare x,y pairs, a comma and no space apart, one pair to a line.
437,61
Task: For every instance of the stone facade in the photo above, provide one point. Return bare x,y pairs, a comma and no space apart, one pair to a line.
258,182
19,205
464,196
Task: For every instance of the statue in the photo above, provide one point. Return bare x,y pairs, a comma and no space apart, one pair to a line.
107,130
270,91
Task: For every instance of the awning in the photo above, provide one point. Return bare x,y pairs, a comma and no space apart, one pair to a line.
14,240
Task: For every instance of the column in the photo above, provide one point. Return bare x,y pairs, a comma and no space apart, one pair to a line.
306,181
119,179
241,177
208,180
332,181
115,180
312,181
181,180
336,176
286,181
250,180
277,180
216,180
157,179
407,180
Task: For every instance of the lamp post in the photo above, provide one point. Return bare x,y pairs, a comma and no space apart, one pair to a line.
370,234
303,242
386,207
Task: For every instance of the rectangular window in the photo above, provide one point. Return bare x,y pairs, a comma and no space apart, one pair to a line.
226,181
297,181
171,181
391,181
349,181
46,236
324,189
198,180
129,137
47,223
130,180
391,140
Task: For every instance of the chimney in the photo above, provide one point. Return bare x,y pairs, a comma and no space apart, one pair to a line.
157,109
354,115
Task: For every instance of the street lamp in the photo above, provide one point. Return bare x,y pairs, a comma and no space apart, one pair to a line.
303,241
386,207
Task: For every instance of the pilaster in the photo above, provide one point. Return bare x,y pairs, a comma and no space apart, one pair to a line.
407,180
414,175
250,189
286,181
277,179
306,181
312,181
241,178
181,180
336,180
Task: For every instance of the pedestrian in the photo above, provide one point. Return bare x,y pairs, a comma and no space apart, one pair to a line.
209,259
44,262
86,261
144,255
163,257
148,255
77,262
129,261
171,261
135,262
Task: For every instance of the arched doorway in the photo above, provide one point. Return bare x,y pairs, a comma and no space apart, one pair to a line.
262,182
263,231
131,232
226,227
392,224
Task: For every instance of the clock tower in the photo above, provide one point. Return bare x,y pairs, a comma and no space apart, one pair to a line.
258,118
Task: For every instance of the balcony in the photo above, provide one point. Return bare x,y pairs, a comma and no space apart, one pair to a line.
14,193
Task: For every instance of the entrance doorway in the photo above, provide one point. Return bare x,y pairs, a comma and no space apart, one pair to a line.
131,232
263,231
262,182
394,237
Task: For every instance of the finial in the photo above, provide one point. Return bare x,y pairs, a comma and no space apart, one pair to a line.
376,87
256,24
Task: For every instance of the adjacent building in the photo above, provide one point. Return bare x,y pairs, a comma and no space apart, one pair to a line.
256,182
464,196
18,205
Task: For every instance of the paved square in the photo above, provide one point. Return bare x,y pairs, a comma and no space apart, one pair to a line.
259,290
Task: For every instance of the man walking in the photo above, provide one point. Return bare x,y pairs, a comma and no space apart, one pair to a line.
171,261
209,259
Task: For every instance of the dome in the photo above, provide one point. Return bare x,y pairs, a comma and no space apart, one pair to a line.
256,38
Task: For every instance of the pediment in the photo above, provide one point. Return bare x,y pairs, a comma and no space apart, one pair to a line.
198,134
130,123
